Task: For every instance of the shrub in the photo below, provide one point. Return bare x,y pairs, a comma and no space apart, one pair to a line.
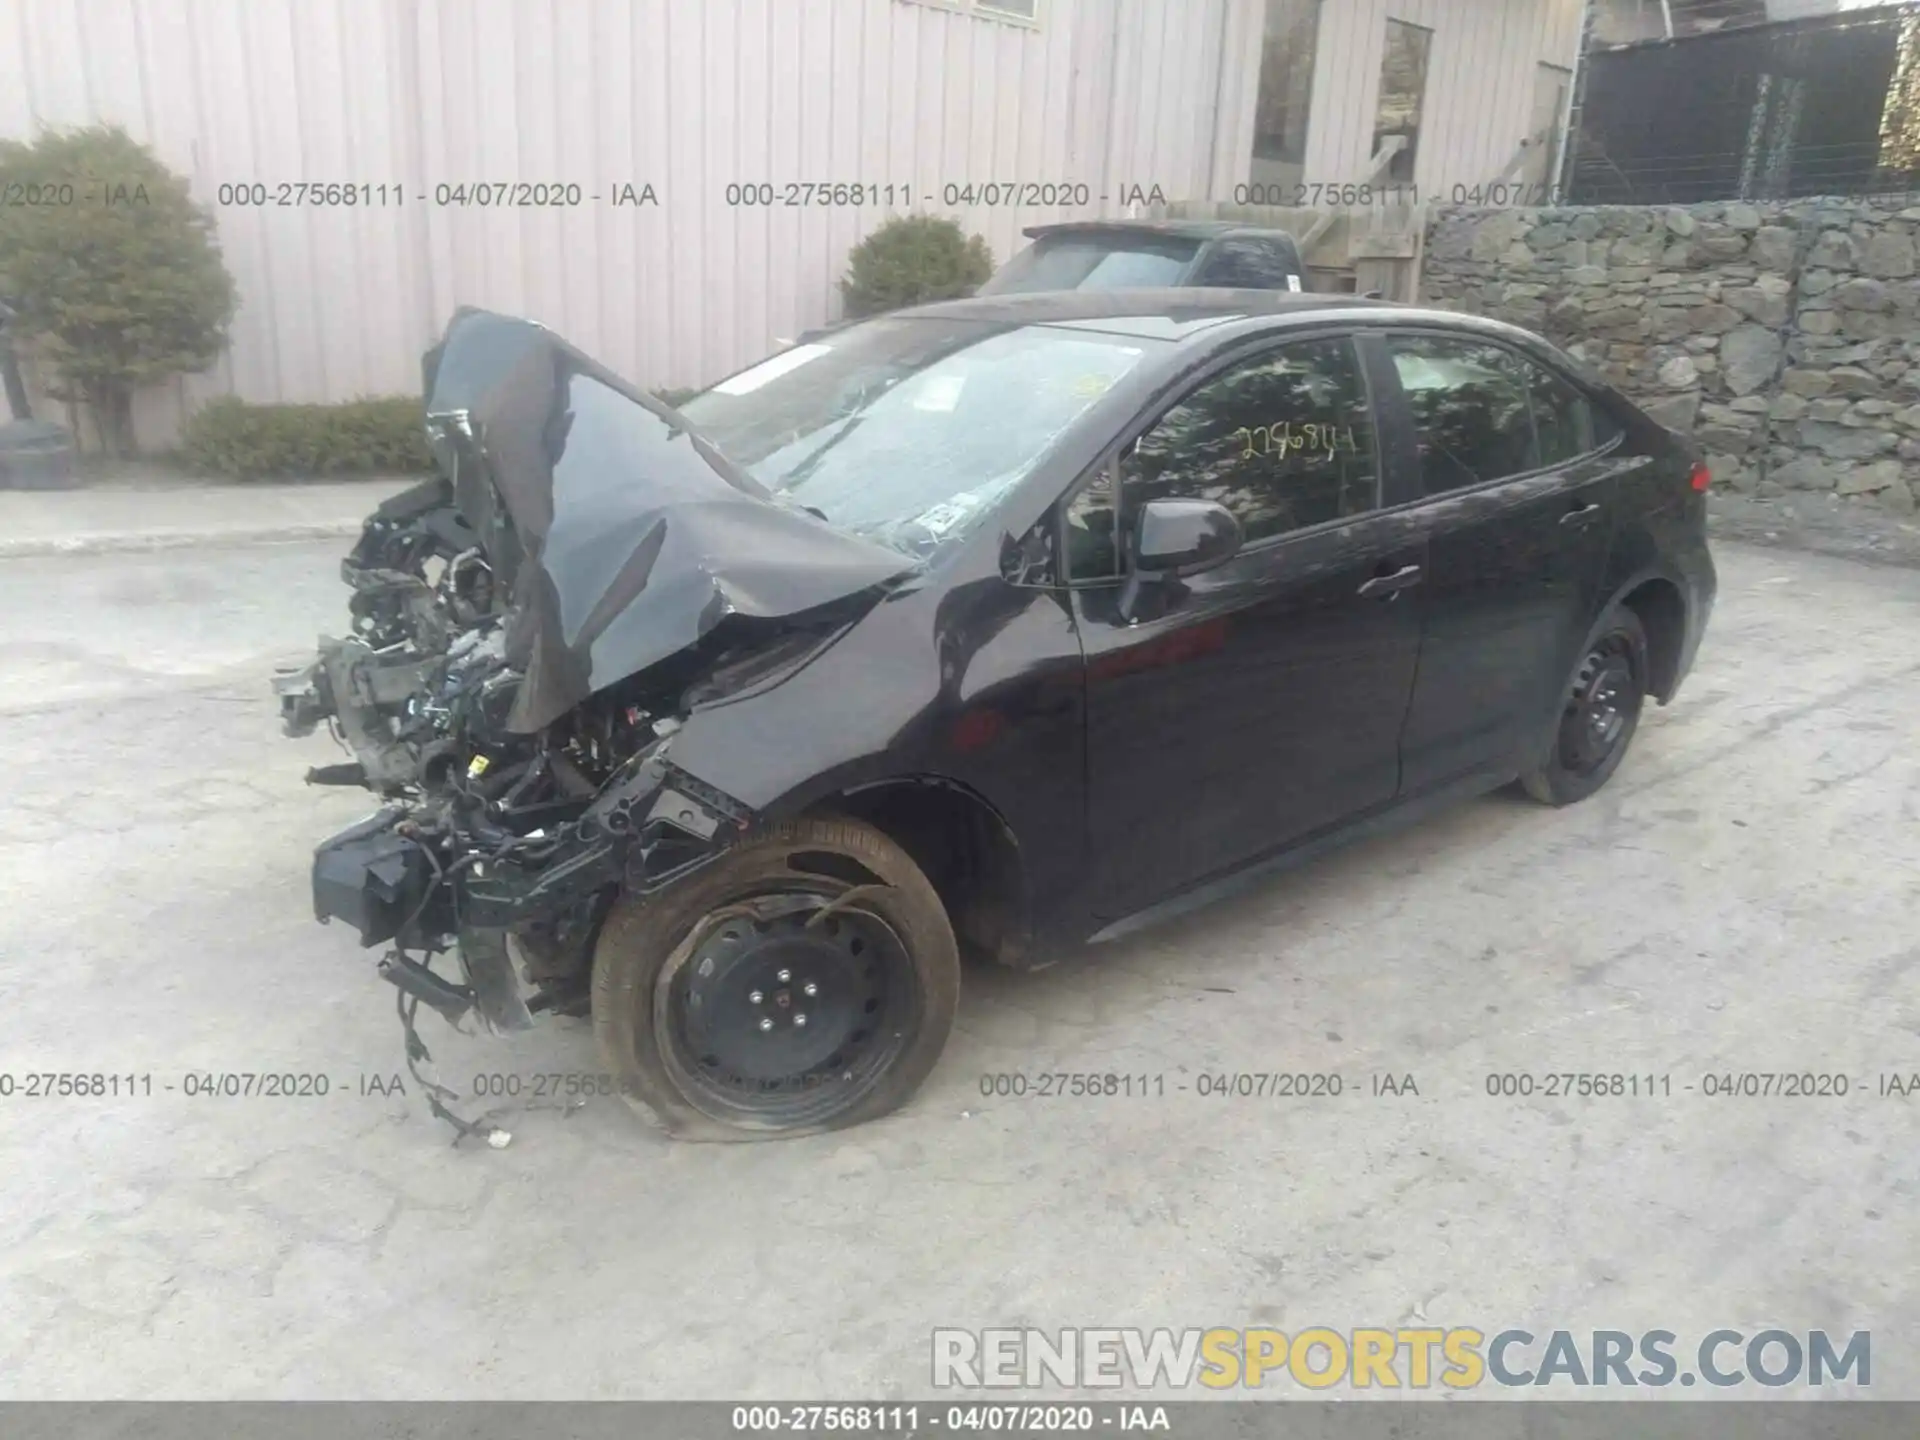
385,436
913,260
116,277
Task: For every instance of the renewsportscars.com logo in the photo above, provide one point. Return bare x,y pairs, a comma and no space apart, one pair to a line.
1460,1358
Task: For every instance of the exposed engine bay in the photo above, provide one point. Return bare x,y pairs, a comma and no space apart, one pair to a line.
528,630
420,694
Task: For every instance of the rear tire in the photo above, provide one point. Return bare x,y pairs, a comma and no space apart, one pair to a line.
1600,711
805,981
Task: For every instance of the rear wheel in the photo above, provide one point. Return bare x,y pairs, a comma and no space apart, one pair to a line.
1599,716
805,981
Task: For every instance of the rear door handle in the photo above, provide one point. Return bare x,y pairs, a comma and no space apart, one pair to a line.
1391,585
1580,515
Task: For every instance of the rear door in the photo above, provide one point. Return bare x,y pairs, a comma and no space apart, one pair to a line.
1518,511
1261,701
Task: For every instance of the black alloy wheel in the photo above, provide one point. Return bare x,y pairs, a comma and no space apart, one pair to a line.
805,981
784,1009
1602,708
1599,716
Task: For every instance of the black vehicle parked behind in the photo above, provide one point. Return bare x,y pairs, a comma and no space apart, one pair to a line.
1146,254
1141,254
997,625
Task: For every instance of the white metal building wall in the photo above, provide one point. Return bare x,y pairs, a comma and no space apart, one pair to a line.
687,95
1480,84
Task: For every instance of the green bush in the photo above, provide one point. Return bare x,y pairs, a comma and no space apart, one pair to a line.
385,436
114,271
913,260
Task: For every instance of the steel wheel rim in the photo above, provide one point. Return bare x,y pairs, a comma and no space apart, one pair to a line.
1603,708
790,1057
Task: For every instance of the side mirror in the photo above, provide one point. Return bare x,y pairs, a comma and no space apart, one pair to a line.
1173,537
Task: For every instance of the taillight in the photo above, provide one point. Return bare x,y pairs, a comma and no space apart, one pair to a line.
1701,477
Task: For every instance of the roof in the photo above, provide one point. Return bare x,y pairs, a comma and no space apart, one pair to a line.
1167,312
1186,229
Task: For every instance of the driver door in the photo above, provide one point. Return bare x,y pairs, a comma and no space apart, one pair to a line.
1234,712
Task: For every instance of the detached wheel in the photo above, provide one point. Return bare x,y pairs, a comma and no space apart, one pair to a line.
1600,714
805,981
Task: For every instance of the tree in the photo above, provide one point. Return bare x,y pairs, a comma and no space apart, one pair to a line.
913,260
112,268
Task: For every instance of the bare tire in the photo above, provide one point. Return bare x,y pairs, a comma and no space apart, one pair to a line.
806,981
1599,713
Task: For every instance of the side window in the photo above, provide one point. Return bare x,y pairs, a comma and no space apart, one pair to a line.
1561,416
1471,409
1284,440
1249,264
1092,544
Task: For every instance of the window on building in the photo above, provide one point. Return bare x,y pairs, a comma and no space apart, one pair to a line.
1403,94
1285,96
1622,22
1546,131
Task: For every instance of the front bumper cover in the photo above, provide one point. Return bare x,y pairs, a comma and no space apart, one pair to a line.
641,835
372,877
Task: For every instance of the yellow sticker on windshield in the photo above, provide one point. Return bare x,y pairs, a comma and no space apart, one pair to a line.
1090,387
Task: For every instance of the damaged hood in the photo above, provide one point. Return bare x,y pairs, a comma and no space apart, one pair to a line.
619,534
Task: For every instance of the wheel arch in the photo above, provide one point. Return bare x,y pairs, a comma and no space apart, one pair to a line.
1660,602
964,845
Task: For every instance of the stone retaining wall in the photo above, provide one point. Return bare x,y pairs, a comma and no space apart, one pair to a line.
1785,337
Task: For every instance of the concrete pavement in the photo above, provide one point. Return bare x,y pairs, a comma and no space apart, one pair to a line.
1740,899
165,513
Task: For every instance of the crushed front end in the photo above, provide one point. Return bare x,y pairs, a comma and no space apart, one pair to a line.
493,857
528,632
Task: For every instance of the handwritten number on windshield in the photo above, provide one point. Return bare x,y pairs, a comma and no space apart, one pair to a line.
1283,440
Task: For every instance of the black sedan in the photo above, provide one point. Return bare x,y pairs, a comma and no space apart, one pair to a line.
1142,254
994,626
1130,254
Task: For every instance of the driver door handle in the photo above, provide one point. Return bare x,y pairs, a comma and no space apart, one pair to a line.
1393,584
1580,515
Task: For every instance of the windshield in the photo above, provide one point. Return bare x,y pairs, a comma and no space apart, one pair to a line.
1095,262
909,431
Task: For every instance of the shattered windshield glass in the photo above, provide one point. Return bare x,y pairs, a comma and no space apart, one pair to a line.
909,431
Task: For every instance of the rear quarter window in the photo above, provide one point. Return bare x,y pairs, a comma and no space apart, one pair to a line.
1562,416
1484,411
